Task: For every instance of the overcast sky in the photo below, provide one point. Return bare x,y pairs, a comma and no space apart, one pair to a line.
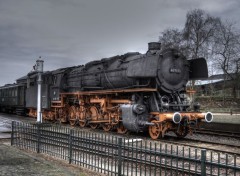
73,32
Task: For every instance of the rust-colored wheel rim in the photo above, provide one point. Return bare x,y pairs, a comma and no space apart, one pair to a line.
94,113
94,117
81,116
72,116
62,116
121,129
107,127
51,115
154,131
45,115
93,125
82,124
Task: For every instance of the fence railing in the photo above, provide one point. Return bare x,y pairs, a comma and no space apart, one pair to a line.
111,155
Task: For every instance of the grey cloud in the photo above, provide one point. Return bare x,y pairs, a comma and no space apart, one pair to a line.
73,32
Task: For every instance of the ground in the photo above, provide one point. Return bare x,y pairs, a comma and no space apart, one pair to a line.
16,162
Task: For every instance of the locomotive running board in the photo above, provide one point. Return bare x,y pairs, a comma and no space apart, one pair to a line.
97,92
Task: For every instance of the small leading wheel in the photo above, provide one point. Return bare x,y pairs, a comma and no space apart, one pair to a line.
121,129
154,131
93,125
107,127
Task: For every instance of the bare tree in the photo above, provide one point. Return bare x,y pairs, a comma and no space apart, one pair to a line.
198,32
226,48
206,36
173,38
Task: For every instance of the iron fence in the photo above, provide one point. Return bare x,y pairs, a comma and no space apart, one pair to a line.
111,155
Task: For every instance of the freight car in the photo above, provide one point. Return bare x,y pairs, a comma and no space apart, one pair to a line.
132,92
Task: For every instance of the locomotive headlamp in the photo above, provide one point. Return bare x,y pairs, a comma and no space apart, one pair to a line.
177,117
208,117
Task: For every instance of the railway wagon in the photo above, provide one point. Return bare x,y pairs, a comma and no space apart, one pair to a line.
12,98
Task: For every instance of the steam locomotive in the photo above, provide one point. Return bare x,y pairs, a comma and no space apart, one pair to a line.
132,92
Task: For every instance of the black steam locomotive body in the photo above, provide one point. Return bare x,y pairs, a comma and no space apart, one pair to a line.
135,92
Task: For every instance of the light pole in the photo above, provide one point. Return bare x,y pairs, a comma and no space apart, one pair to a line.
39,70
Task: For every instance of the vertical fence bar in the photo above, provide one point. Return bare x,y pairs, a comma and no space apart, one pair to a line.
211,155
155,158
189,163
141,154
226,163
150,159
196,164
12,134
128,160
235,164
107,150
171,159
218,164
119,156
112,146
101,153
145,158
136,157
183,160
203,162
70,140
98,149
160,158
165,158
177,161
38,138
132,157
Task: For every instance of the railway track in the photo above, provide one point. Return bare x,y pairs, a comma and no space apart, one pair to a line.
230,134
214,145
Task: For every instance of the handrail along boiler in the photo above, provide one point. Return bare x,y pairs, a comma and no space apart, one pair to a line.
135,92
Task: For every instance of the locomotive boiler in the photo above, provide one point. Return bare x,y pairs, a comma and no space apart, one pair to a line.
167,70
131,92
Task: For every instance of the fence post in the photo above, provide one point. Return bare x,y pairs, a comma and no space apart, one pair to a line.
12,134
38,137
203,162
119,156
70,145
